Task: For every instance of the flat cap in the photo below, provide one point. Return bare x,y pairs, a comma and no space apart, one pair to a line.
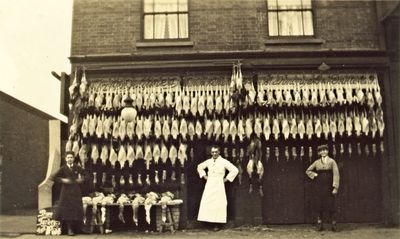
322,147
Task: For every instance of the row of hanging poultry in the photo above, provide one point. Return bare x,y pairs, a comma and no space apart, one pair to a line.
275,91
274,125
128,152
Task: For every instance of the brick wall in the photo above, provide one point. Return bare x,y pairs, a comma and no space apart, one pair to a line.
105,26
24,136
114,26
345,24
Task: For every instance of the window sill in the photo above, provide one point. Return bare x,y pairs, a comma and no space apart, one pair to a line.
297,41
164,44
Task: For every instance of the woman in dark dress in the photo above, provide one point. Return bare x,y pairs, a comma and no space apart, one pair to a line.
70,207
325,174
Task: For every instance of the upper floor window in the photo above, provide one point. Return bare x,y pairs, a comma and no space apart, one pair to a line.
165,19
290,18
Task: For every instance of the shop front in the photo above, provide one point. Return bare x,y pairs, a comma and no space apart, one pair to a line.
267,120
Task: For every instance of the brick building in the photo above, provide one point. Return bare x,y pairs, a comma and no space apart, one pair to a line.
30,140
165,44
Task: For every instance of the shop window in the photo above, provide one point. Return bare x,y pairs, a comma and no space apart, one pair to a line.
165,19
290,18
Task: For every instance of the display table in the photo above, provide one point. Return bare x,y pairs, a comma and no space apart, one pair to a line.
103,221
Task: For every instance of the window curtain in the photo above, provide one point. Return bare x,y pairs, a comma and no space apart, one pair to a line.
172,26
308,23
290,18
183,26
160,26
148,27
290,23
165,23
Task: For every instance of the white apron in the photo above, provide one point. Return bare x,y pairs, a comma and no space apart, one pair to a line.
213,205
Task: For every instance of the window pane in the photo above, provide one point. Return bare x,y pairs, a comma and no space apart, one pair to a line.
273,23
148,27
289,4
148,6
183,6
165,22
290,23
306,4
172,26
272,4
166,6
160,26
183,26
308,23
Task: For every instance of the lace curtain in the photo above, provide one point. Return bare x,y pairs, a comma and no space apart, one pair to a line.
168,19
290,18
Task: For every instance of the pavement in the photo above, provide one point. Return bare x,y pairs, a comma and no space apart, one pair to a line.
24,226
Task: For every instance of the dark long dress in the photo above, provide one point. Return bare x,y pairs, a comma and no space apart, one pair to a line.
70,207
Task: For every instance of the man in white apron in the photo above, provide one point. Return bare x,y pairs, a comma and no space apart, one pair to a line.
213,205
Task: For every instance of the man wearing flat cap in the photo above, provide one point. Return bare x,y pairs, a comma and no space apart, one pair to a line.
325,174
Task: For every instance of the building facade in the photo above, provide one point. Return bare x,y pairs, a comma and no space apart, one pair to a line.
29,139
321,67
